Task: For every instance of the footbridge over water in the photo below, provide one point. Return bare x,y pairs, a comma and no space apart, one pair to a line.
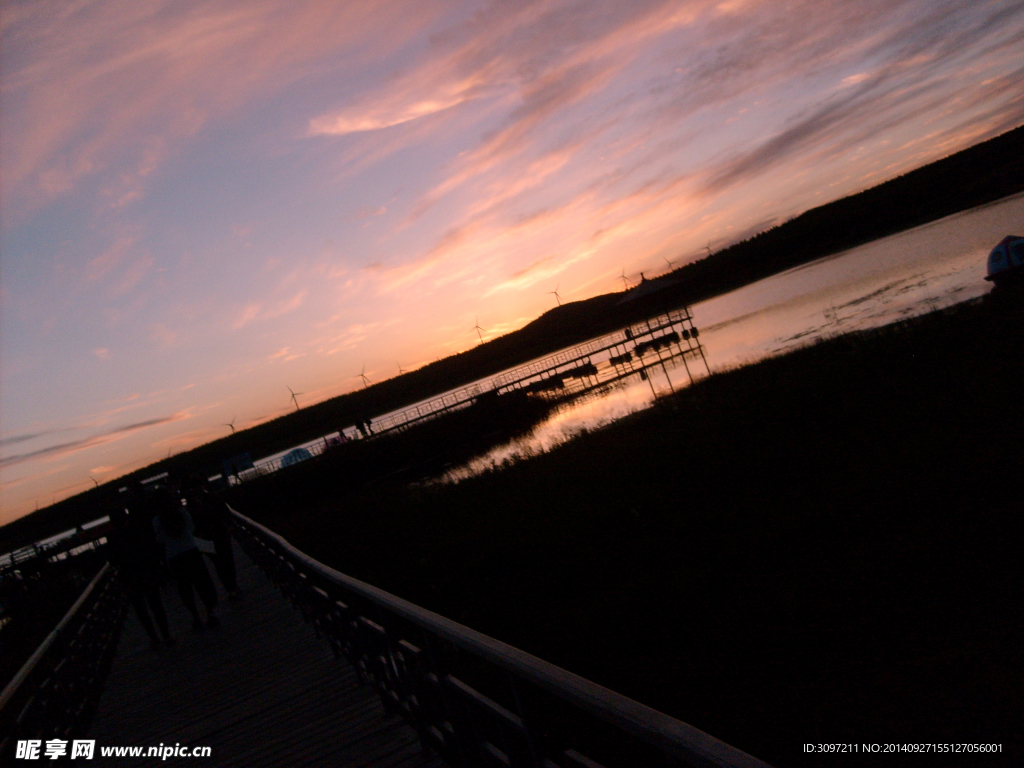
388,684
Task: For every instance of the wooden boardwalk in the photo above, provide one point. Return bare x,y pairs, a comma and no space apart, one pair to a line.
262,690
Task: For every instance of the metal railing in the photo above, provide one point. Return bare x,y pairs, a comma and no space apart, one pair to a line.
54,694
61,549
473,700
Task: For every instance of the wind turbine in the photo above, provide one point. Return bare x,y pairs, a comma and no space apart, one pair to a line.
400,371
295,396
708,247
231,424
557,297
625,282
477,328
362,375
95,482
670,263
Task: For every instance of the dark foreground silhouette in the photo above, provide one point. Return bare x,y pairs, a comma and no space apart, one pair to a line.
820,547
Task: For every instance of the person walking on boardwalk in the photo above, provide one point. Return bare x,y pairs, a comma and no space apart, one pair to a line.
174,531
213,521
132,547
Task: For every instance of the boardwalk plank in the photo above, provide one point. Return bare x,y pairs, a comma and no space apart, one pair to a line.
261,690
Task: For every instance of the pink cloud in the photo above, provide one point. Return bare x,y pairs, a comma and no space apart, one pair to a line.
250,313
255,311
133,275
83,85
395,109
110,258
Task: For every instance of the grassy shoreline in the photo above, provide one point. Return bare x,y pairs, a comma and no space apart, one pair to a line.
822,546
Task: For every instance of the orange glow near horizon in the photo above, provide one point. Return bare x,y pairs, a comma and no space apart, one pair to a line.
202,208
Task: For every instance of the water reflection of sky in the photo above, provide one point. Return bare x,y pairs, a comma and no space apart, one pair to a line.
925,268
928,267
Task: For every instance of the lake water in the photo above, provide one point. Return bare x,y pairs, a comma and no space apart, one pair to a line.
928,267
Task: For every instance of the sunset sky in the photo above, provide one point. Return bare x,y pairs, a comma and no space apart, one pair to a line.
205,203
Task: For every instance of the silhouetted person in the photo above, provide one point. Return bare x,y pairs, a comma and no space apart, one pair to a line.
213,521
132,547
361,426
174,528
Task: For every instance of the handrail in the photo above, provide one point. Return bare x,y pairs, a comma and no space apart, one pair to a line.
661,731
55,692
26,669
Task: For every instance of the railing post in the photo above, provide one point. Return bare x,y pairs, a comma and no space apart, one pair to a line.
529,731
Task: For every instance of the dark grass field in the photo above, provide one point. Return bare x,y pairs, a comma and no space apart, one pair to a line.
822,547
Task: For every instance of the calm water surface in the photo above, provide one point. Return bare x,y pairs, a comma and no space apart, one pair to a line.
929,267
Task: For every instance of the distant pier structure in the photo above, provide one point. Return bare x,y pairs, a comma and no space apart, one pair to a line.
588,369
661,343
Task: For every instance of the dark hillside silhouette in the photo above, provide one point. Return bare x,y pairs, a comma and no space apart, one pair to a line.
975,176
981,174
